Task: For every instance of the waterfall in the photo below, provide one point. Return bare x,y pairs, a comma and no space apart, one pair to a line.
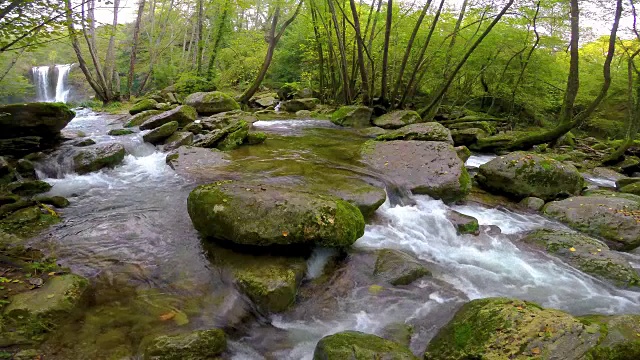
44,86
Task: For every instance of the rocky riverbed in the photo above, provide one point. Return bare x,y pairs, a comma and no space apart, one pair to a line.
243,238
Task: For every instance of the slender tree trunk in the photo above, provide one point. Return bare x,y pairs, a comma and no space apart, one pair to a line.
216,43
109,62
527,58
134,48
200,37
385,52
360,43
316,32
343,57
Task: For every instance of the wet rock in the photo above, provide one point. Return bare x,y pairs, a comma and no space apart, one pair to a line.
43,120
223,120
235,135
255,138
139,118
262,215
96,157
28,187
28,354
46,306
611,216
620,183
296,105
143,105
57,201
195,128
397,119
352,116
178,139
431,131
197,163
357,345
303,114
26,169
633,188
83,142
467,137
183,114
366,197
159,134
464,224
618,336
531,203
373,131
500,328
586,254
425,167
23,145
485,126
264,100
209,103
119,132
197,345
520,174
14,206
463,152
398,268
164,106
5,168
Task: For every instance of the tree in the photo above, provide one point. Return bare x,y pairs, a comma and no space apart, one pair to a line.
134,48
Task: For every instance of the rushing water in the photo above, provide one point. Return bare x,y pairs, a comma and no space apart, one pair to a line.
46,89
127,228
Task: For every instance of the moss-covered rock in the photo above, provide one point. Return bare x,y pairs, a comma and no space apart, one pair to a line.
611,216
352,116
618,339
43,120
430,131
119,132
197,345
354,345
29,187
141,117
178,139
96,157
500,328
467,137
236,134
397,119
160,134
531,203
463,152
57,201
488,127
262,215
398,268
624,181
183,114
464,224
586,254
209,103
522,174
424,167
633,188
256,137
296,105
143,105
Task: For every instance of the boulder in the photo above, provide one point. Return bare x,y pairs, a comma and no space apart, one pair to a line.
485,126
430,131
372,132
226,138
83,142
21,146
425,167
263,215
464,224
95,157
264,100
618,336
183,115
500,328
397,119
531,203
196,345
143,105
178,139
611,216
366,197
303,114
28,187
222,120
57,201
586,254
256,137
633,188
624,181
43,120
119,132
159,134
467,137
209,103
398,268
141,117
355,345
463,152
195,128
352,116
520,174
296,105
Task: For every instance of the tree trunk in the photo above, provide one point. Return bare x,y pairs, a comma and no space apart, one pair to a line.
343,57
200,41
316,33
134,49
216,42
109,61
385,52
361,65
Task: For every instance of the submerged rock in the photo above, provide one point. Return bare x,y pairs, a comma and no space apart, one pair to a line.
143,105
425,167
209,103
95,157
501,328
160,134
464,224
296,105
139,118
520,174
183,114
263,215
355,345
397,119
430,131
611,216
256,137
353,116
398,268
119,132
197,345
586,254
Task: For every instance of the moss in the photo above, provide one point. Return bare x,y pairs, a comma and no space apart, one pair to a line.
233,140
120,132
139,118
205,344
359,346
143,105
256,137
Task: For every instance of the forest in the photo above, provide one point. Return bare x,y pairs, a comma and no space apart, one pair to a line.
319,179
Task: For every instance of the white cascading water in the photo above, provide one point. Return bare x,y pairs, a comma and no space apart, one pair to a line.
43,83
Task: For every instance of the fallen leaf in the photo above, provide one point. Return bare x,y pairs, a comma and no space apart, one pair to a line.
572,249
535,351
50,296
285,233
167,316
51,273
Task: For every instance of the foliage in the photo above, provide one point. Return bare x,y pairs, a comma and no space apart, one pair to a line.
189,83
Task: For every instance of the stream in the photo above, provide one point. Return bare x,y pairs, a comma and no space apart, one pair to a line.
128,230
